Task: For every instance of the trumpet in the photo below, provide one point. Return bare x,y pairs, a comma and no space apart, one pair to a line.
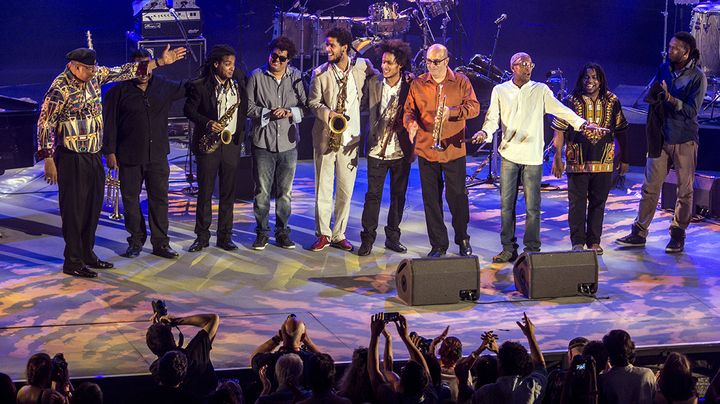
439,119
112,194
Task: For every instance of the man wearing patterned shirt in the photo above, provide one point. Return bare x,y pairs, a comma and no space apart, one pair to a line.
590,155
70,139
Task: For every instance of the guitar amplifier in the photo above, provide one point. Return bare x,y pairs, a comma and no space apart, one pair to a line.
152,24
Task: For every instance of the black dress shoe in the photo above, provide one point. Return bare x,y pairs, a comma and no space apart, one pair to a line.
198,245
436,253
100,264
395,246
465,249
82,272
165,252
227,245
132,251
365,249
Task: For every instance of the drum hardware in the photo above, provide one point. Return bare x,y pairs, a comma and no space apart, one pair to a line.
555,79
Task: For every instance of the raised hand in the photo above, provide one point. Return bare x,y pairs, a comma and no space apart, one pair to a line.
527,326
377,324
170,56
402,326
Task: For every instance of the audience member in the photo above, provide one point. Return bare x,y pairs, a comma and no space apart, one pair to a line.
87,393
227,392
7,389
625,383
355,382
38,373
522,377
675,382
291,338
321,369
557,376
289,373
414,386
200,379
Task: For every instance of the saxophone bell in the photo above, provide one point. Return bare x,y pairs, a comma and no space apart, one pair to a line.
226,136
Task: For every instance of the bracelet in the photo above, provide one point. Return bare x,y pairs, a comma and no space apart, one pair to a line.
157,62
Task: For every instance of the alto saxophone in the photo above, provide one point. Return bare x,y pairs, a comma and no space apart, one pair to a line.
389,116
338,123
439,119
210,141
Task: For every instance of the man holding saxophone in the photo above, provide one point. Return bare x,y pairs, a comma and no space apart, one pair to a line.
439,135
217,106
70,136
336,90
389,146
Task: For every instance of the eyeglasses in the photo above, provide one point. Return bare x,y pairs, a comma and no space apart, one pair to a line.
525,64
91,68
275,57
435,62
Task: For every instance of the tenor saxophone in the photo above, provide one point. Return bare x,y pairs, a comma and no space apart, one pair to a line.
439,119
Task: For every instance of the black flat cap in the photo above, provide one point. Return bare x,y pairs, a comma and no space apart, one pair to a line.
82,55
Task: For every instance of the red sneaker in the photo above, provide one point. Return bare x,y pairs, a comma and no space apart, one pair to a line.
320,243
342,244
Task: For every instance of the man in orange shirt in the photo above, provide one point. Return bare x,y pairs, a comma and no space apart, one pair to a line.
426,94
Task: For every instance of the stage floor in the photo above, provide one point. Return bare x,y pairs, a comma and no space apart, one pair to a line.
100,324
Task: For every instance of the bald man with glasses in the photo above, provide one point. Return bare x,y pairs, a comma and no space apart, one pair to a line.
442,167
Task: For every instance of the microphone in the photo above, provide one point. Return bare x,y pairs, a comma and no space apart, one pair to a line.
500,19
172,12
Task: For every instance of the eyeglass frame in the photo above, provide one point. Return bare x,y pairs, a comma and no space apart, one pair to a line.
524,64
436,62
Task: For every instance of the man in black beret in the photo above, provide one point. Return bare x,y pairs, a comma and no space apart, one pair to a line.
70,130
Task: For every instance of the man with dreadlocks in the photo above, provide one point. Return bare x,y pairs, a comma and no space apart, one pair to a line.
219,87
672,134
590,156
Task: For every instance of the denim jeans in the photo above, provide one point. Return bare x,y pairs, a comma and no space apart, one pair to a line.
273,171
510,176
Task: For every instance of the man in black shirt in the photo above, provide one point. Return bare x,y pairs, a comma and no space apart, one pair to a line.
136,121
200,379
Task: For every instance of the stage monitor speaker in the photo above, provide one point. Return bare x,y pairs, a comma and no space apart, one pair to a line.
706,194
423,281
556,274
185,69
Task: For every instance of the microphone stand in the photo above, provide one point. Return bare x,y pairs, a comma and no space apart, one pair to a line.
493,177
183,32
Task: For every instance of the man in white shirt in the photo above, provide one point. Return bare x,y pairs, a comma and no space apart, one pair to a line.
336,166
517,108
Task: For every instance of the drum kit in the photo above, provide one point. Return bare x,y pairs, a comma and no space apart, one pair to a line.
385,20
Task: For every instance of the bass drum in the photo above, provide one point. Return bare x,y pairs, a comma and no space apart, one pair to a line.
705,27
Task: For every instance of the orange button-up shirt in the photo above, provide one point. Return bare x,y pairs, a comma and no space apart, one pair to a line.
421,107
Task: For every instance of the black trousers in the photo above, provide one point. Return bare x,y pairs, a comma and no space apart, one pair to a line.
377,171
221,164
587,194
433,178
81,179
155,176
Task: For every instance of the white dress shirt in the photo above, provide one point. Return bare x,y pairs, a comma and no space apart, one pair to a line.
227,96
392,151
519,112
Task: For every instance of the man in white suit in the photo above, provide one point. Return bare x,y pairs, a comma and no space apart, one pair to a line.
341,165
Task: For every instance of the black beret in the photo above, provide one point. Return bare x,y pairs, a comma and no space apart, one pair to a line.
82,55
